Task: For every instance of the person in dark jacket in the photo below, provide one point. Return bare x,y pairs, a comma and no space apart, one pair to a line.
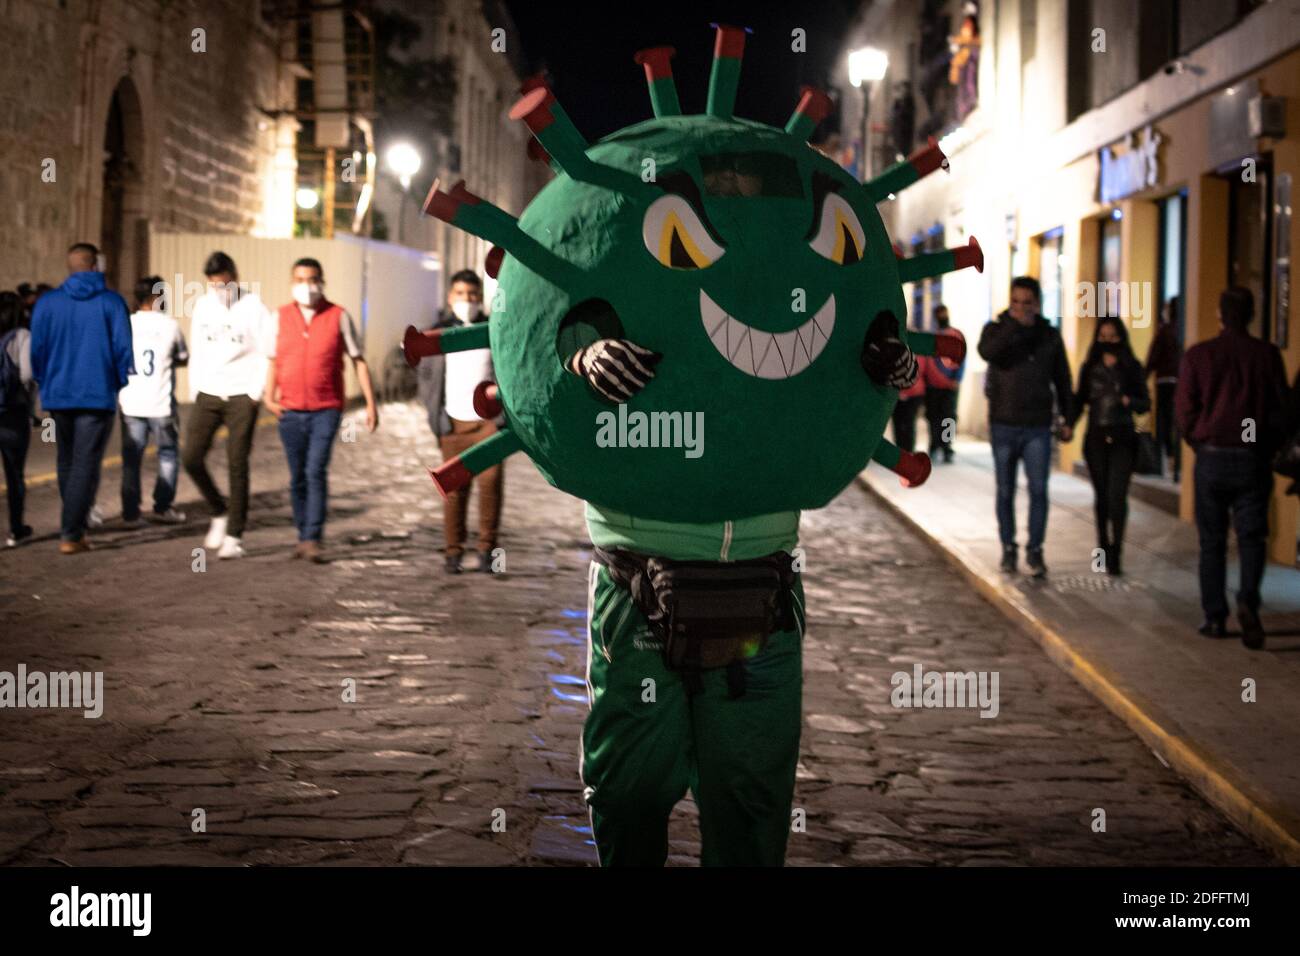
446,388
1028,388
1113,387
81,358
1162,362
17,410
1231,404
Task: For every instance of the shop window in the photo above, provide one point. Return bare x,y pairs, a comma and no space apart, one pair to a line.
1051,274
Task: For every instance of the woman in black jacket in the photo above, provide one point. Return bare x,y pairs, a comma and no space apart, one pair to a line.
1113,387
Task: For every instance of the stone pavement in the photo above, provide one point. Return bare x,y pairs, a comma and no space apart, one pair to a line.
1132,640
224,692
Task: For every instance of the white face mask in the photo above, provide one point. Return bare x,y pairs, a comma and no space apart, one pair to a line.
306,293
465,310
225,294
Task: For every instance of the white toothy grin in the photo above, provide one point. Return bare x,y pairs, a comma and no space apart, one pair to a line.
772,355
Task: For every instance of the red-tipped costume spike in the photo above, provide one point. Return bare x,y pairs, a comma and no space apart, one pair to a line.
901,175
417,345
930,264
445,205
492,262
455,473
969,255
728,48
659,77
814,105
950,347
912,468
464,210
487,400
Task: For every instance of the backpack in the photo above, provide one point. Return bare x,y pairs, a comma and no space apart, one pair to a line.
12,393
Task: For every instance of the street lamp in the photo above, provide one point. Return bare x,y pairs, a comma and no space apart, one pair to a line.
404,161
867,65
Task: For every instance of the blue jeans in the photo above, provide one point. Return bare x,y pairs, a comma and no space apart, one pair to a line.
308,439
1011,445
80,435
135,439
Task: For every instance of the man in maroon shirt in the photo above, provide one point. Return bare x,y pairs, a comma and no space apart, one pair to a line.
1231,402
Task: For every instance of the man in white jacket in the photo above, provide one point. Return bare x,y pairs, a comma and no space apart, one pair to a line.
229,334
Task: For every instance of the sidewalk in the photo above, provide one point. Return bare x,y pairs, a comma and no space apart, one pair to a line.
1132,641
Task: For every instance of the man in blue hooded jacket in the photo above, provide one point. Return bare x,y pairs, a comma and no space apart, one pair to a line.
81,358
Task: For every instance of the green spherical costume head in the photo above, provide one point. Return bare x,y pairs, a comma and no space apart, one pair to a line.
754,264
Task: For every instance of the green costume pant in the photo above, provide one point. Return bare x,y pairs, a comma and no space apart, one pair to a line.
646,741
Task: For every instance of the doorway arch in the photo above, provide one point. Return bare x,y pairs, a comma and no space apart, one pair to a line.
124,225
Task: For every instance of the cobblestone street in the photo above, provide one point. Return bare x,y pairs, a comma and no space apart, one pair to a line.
224,691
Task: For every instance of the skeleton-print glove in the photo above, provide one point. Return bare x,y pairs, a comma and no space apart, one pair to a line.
615,368
886,357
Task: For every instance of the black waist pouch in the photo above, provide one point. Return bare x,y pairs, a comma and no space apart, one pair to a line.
708,613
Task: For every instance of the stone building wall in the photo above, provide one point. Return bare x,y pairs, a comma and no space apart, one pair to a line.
198,127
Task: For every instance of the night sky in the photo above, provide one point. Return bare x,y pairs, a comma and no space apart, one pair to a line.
588,48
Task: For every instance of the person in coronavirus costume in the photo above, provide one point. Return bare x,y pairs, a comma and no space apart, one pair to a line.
683,265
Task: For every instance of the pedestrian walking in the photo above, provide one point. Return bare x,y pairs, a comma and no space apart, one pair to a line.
304,390
1028,389
942,380
148,405
1113,388
17,410
446,385
229,335
1162,362
1231,404
81,359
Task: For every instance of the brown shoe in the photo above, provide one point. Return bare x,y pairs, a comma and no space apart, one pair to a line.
297,551
311,551
74,547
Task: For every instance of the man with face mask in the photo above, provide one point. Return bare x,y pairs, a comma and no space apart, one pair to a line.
304,390
229,332
447,384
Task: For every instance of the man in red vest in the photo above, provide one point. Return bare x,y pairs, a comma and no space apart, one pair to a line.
304,390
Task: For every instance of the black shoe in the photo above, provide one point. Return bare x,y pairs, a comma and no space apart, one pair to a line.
947,456
1034,561
453,564
1252,631
1009,559
19,536
1213,627
1112,562
484,562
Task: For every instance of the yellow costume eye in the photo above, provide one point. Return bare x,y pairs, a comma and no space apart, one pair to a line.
674,235
839,234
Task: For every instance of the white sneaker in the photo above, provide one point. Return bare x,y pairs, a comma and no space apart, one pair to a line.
231,548
216,533
96,517
170,516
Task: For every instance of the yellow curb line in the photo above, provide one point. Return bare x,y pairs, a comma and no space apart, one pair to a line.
114,460
1273,827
